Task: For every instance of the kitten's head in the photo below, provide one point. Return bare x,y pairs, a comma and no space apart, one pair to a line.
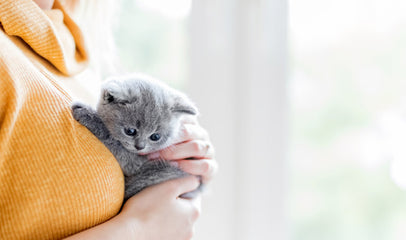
142,113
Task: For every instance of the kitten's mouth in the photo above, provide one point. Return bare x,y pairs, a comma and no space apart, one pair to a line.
132,149
142,152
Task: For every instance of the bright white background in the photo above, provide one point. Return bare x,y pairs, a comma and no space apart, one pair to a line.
304,103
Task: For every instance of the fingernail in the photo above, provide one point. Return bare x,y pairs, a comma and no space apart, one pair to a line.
153,155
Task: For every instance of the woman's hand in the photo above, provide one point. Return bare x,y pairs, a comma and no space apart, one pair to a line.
155,213
158,212
192,152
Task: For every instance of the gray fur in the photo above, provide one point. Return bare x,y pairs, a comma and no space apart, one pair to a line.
148,106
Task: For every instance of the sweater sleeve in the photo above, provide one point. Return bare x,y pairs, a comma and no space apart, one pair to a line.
56,178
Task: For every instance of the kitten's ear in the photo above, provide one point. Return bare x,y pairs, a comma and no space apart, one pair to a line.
107,96
112,92
183,105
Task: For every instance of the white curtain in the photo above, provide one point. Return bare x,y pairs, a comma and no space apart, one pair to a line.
238,78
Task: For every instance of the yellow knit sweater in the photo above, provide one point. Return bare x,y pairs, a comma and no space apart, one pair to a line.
56,178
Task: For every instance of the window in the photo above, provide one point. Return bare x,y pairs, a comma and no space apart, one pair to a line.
347,87
310,146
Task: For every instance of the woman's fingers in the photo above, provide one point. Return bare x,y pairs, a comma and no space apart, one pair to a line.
203,167
171,189
189,134
177,187
197,149
189,119
192,132
192,152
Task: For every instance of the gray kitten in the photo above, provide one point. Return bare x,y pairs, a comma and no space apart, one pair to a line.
138,115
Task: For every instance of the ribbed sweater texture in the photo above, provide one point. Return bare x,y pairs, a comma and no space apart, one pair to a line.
56,178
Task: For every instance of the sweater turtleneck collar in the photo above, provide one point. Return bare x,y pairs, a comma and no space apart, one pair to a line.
52,34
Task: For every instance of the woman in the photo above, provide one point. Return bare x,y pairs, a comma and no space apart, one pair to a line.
56,179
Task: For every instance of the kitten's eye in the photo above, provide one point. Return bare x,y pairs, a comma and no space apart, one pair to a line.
130,131
155,137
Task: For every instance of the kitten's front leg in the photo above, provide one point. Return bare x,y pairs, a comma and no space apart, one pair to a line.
88,117
154,172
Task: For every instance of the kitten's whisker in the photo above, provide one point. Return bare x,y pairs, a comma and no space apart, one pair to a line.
160,158
162,163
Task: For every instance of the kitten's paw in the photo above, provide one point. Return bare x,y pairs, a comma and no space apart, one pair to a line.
79,111
77,105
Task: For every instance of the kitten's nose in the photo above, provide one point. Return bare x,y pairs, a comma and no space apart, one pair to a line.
139,146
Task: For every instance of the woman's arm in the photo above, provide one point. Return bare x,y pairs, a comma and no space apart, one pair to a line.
153,214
